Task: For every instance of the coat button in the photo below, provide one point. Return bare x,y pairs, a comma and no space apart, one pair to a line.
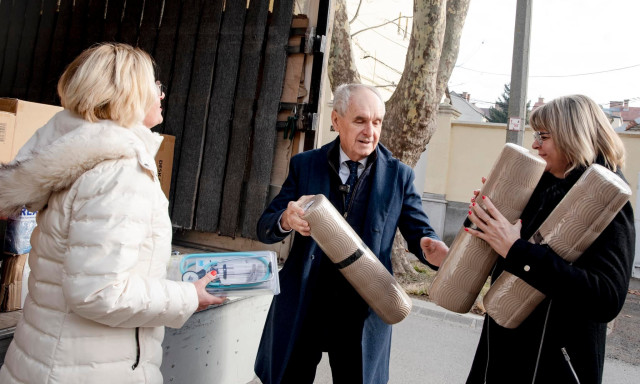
527,268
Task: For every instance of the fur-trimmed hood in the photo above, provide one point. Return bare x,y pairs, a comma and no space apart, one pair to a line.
64,149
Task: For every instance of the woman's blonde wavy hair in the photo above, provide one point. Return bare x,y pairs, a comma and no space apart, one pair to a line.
111,81
580,130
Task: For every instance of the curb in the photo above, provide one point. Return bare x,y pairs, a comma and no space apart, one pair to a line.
424,308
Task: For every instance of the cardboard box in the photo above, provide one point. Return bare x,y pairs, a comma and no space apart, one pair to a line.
11,282
19,120
164,162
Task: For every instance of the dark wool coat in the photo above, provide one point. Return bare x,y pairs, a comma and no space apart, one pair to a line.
581,298
393,203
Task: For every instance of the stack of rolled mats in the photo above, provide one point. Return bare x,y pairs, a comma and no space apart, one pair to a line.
509,185
575,223
357,263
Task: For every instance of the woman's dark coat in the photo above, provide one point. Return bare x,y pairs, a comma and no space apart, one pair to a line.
393,203
580,299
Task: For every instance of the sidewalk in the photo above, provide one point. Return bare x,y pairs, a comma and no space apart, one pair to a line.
623,342
448,341
430,309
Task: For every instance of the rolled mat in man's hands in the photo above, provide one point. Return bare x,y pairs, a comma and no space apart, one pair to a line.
357,263
509,185
585,211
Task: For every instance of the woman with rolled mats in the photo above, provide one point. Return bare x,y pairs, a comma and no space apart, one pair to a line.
98,299
563,340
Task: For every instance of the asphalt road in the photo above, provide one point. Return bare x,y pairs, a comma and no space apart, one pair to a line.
436,346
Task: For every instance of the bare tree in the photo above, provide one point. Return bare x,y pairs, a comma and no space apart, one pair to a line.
342,65
412,110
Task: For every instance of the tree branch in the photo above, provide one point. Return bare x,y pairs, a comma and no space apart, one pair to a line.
383,24
342,66
357,12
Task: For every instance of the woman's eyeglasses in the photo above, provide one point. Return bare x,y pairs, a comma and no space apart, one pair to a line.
540,137
160,88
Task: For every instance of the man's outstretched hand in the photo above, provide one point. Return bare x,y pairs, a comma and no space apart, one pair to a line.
434,251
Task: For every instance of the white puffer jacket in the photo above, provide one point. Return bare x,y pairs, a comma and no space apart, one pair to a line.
97,299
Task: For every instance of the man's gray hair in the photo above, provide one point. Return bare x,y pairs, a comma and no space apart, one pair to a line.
342,96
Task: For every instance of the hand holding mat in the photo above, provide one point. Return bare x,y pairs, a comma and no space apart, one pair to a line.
357,263
509,185
574,224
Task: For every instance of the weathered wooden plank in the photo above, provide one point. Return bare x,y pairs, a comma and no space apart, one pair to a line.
42,49
130,26
150,24
111,30
177,101
316,71
220,116
266,114
5,20
25,52
195,127
78,27
10,59
57,54
295,62
95,22
165,51
255,30
318,57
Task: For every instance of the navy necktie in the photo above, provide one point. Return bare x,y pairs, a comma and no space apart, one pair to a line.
351,181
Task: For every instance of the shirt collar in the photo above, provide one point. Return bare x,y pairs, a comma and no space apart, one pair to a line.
344,157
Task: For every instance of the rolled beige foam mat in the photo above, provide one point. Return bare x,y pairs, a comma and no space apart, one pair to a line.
509,185
575,223
357,263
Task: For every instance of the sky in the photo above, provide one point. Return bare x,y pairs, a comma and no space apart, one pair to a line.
577,46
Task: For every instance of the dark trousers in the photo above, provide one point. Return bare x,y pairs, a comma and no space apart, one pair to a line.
333,324
345,358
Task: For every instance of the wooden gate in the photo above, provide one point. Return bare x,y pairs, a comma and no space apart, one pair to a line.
223,65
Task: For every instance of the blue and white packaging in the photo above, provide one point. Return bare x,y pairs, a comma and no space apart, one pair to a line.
17,238
237,273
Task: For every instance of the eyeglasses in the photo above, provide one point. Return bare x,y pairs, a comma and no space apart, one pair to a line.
160,88
540,137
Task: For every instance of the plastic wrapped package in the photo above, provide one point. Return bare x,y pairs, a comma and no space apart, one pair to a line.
509,185
17,239
356,262
573,225
237,273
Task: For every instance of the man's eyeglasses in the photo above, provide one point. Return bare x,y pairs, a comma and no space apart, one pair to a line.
160,88
540,137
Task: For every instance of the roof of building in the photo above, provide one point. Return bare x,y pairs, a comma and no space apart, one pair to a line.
468,111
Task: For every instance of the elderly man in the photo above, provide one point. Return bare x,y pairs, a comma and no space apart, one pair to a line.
318,310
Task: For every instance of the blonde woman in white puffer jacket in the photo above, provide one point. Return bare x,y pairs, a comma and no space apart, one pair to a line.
98,299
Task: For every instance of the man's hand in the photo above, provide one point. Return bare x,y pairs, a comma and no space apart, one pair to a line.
292,217
205,299
434,251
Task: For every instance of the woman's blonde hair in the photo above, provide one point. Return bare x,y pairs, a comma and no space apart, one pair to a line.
111,81
580,130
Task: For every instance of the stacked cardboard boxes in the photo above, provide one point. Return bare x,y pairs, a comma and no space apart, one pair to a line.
19,120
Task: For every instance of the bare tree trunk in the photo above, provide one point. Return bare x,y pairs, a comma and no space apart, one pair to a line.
342,66
456,15
399,262
412,110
